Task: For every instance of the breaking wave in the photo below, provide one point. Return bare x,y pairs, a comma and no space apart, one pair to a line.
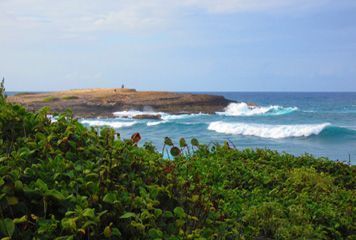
149,124
243,109
168,117
268,131
173,123
164,116
133,113
113,124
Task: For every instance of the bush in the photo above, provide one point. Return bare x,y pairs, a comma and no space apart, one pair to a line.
69,97
60,180
50,99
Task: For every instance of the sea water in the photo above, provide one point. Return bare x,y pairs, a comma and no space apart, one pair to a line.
322,124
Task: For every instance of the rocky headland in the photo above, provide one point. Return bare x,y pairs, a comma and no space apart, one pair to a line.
102,102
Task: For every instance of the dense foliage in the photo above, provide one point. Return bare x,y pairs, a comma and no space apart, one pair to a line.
60,180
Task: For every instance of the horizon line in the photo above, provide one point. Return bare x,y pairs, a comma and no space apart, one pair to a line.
198,91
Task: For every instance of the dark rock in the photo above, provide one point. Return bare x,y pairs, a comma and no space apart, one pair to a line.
148,116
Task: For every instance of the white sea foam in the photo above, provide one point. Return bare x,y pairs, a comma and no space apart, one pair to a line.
164,116
268,131
168,117
155,123
133,113
113,124
243,109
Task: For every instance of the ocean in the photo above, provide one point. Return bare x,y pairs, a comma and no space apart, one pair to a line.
322,124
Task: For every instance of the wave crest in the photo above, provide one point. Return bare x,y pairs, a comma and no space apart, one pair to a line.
149,124
268,131
100,123
167,117
243,109
164,116
134,113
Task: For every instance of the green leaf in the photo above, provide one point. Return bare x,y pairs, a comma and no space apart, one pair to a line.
110,198
128,215
179,212
195,198
7,227
20,220
72,144
12,200
158,212
70,237
182,143
55,194
116,232
168,141
41,185
168,214
175,151
107,231
139,226
18,185
89,212
195,142
2,195
89,223
69,223
154,233
180,223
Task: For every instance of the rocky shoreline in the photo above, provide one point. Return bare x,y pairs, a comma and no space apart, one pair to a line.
103,102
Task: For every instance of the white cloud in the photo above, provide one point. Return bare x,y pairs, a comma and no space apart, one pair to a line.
231,6
66,17
141,15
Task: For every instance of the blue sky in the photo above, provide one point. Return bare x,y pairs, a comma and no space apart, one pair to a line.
186,45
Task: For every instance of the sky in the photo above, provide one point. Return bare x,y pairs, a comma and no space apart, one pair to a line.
183,45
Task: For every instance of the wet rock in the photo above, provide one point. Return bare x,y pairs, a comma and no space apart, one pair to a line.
148,116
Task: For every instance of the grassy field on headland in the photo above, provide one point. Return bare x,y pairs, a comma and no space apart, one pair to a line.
60,180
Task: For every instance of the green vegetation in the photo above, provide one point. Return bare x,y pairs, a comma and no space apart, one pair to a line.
23,93
50,99
61,180
69,97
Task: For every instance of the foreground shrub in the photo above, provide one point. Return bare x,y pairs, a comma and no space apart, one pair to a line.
60,180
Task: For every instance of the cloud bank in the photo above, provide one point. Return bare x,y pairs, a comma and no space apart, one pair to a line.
68,17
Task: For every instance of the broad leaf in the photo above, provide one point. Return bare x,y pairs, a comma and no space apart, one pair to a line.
7,227
128,215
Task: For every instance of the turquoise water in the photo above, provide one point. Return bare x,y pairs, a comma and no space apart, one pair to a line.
323,124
